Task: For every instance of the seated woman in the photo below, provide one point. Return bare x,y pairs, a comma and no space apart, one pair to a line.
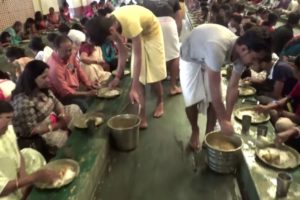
41,51
29,28
53,19
92,62
40,23
18,171
279,116
17,57
38,114
64,12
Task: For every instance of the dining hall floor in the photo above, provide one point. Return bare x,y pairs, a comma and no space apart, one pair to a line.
162,168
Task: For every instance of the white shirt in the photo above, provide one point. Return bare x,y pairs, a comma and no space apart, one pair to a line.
10,161
45,54
211,44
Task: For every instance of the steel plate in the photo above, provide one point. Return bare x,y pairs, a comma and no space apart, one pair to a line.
286,158
105,92
63,167
246,90
256,118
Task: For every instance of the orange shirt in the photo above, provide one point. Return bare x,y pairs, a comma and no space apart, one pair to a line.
65,77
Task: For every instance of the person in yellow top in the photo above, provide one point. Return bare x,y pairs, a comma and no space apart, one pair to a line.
148,58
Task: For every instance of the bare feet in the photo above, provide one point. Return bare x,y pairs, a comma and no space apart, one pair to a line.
175,90
159,110
144,123
194,142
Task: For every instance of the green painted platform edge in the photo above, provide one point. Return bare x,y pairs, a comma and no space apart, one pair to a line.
90,150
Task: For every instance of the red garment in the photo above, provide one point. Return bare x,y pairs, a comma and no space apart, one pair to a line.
87,48
65,77
256,1
2,97
295,93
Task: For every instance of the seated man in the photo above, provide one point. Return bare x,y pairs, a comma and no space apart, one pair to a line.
65,75
14,180
279,82
53,19
280,117
15,33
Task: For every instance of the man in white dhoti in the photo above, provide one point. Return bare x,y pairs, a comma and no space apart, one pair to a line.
206,49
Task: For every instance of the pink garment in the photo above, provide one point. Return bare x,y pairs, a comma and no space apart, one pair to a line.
65,77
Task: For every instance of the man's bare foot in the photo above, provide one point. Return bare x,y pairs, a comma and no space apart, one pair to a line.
143,124
194,143
175,90
159,110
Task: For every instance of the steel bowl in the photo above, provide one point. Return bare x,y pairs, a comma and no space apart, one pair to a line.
223,160
125,130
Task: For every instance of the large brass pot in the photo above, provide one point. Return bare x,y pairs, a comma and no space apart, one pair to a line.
223,160
125,130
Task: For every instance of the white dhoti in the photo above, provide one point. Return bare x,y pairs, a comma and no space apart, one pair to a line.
194,84
170,35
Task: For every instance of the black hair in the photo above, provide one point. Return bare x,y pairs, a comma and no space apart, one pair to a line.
61,39
94,3
272,18
98,29
84,20
28,23
225,7
64,28
237,18
4,75
297,62
65,4
77,27
36,44
248,26
15,52
5,107
51,37
239,8
256,39
26,83
293,19
38,16
17,23
260,10
215,8
3,37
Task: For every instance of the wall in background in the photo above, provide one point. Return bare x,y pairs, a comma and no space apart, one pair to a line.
13,10
20,10
44,5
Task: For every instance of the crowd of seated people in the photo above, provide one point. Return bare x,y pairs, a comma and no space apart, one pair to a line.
45,92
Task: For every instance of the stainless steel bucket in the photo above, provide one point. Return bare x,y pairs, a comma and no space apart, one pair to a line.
219,160
125,130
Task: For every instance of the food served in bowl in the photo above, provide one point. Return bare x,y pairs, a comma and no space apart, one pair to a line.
222,145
